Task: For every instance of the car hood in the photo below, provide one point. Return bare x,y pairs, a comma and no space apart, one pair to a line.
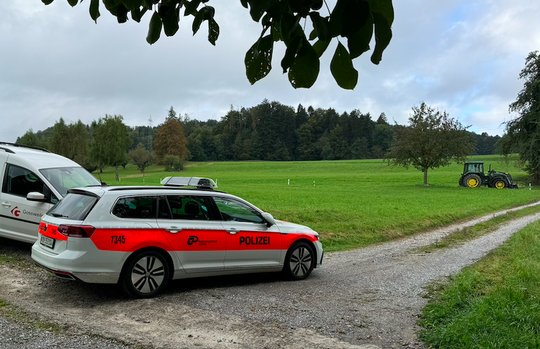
290,228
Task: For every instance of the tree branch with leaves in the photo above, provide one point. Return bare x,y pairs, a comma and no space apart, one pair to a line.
306,27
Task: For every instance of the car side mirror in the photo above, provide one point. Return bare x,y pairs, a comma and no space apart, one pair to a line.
35,196
270,221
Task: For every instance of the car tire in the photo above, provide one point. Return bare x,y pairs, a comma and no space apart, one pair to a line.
299,261
145,274
472,181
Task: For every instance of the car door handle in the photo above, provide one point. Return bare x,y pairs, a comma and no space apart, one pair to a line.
232,231
6,204
174,230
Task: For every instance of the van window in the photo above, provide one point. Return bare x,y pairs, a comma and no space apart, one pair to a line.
20,181
64,178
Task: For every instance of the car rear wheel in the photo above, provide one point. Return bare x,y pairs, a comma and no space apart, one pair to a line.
146,274
299,261
473,181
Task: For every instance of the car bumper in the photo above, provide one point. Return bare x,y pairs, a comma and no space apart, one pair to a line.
80,265
320,253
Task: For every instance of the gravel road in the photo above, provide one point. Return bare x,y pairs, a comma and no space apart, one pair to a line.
366,298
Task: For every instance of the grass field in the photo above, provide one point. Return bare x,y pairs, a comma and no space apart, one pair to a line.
492,304
351,203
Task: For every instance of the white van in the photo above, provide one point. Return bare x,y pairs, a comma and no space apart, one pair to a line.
32,181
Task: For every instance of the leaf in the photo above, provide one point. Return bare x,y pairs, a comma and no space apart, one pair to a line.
358,42
384,8
138,13
320,46
290,53
383,17
258,7
47,2
383,35
258,59
342,68
354,16
197,21
154,29
191,7
132,4
305,68
121,13
170,16
213,31
321,26
94,10
72,2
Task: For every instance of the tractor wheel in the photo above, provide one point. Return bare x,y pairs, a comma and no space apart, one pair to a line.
472,181
499,184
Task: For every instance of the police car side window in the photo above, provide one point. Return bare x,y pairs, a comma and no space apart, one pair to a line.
136,207
20,181
191,207
232,210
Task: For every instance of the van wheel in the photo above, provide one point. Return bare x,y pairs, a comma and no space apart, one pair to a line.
145,275
299,261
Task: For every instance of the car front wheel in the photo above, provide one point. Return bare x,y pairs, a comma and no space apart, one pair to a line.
146,274
299,261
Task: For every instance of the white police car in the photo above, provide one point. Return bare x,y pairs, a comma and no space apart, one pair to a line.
142,237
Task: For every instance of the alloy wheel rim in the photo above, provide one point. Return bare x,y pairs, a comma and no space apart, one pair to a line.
147,274
300,263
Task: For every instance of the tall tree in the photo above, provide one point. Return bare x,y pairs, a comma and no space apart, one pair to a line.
111,142
523,133
431,140
305,27
170,139
61,142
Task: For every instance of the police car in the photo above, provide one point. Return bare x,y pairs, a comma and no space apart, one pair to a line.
143,237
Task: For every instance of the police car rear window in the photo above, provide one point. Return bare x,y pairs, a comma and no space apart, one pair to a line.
73,206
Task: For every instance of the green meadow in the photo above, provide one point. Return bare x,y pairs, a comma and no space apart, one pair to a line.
351,203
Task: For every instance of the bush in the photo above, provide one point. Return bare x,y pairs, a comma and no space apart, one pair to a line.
173,163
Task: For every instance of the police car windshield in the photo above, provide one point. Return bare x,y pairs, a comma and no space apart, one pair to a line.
64,178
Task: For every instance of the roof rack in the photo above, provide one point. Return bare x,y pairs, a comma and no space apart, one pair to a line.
197,182
20,146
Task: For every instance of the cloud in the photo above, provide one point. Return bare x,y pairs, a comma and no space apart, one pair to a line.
461,56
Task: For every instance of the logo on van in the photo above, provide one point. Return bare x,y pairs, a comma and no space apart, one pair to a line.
15,211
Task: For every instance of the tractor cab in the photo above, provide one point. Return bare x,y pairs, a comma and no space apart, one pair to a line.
474,167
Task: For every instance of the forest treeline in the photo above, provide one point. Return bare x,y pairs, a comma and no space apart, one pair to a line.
267,131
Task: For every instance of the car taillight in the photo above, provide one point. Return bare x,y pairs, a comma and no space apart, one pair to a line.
76,231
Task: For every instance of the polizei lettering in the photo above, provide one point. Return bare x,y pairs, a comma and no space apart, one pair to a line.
250,240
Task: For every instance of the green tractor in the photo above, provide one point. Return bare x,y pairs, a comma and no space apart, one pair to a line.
473,176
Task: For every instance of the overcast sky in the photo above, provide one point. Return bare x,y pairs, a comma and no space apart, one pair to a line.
460,56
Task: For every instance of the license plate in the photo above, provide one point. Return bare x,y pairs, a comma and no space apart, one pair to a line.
47,241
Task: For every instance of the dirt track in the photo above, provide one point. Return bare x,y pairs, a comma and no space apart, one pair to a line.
360,298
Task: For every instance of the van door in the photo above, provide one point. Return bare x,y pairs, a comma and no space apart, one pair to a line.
19,217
